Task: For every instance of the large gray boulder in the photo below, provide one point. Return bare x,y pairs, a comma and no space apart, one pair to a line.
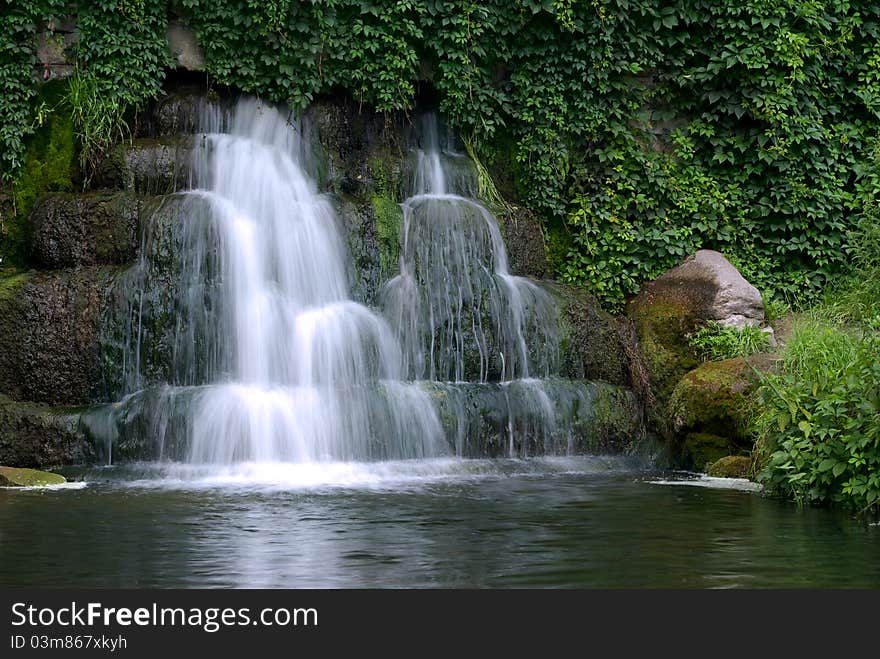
723,294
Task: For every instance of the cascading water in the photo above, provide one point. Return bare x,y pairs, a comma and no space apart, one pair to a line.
461,315
272,361
244,354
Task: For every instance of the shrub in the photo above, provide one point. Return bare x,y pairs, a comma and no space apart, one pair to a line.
819,426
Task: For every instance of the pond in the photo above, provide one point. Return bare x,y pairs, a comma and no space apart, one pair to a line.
552,522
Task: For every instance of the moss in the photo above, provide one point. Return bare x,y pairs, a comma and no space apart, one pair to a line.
10,283
380,175
559,243
48,167
714,397
389,220
16,477
700,449
731,466
662,326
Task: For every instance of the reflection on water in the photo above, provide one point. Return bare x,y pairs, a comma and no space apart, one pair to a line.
569,523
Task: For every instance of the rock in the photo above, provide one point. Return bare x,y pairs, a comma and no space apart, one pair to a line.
713,397
148,166
184,46
731,466
706,287
179,112
700,449
715,290
594,345
91,229
33,435
360,228
49,331
524,238
358,153
52,48
17,477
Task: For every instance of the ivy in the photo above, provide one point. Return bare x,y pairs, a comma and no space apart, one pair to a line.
639,130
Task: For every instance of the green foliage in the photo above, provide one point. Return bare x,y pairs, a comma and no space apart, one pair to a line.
817,348
818,421
48,167
121,53
714,341
819,429
121,57
18,32
647,129
99,118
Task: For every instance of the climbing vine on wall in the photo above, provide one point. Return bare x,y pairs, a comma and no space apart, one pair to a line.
640,130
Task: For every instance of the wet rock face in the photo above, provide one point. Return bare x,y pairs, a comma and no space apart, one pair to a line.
360,153
148,166
49,327
39,436
594,346
526,251
76,230
526,418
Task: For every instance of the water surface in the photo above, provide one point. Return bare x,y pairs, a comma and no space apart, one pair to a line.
562,522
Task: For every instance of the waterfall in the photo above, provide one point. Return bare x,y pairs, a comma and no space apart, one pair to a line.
238,342
460,314
273,360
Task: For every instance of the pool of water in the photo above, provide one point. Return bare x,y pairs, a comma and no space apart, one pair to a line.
566,522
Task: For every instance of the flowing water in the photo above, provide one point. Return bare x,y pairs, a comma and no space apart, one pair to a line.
243,346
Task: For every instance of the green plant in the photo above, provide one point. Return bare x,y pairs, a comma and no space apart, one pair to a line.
98,119
715,341
819,350
819,430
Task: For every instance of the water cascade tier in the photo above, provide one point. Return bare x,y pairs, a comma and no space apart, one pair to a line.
460,314
236,340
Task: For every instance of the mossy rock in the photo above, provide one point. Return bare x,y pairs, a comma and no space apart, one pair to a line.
151,166
524,240
663,321
359,153
713,397
667,310
18,477
730,466
85,229
49,335
33,435
593,344
700,449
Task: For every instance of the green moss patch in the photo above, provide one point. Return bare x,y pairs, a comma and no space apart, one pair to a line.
16,477
389,222
731,466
